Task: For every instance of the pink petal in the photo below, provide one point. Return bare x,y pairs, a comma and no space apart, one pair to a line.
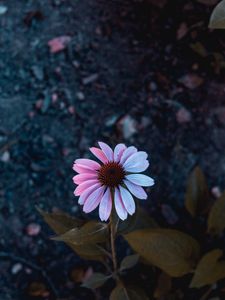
83,197
99,154
127,153
140,179
119,206
88,163
83,186
136,190
78,179
105,206
118,151
107,150
80,169
93,200
128,200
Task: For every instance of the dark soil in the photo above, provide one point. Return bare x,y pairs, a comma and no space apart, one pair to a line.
148,73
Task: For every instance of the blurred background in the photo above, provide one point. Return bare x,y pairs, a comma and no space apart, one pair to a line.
148,73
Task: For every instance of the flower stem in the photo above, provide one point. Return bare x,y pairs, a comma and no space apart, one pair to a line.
112,241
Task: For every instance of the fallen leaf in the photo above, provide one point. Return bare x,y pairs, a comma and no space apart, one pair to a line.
182,31
38,289
59,43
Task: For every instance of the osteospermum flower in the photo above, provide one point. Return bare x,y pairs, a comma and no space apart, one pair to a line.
115,179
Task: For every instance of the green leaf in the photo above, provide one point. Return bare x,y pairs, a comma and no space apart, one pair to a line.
121,292
129,262
95,281
170,250
60,223
209,270
197,193
216,219
217,19
139,220
89,233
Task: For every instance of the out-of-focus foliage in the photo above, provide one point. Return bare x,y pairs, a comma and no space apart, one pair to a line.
216,219
209,270
197,194
174,252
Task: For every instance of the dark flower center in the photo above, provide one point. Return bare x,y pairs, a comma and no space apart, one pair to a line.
111,174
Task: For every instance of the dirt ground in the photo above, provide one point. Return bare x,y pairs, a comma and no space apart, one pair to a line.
147,73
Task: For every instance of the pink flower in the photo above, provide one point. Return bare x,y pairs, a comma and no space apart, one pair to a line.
115,179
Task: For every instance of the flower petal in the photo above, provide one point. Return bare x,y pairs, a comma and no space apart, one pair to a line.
119,206
87,192
135,159
88,163
139,167
78,179
85,185
99,154
118,151
107,150
105,206
93,200
127,153
80,169
128,200
136,190
140,179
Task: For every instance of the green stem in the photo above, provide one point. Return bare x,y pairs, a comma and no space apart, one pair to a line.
112,241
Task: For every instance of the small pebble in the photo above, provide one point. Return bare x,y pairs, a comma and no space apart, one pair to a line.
33,229
3,9
5,157
16,268
80,96
89,79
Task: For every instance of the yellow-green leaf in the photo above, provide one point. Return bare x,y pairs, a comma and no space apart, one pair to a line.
170,250
121,292
217,19
216,219
61,222
95,281
129,262
89,233
197,193
209,270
